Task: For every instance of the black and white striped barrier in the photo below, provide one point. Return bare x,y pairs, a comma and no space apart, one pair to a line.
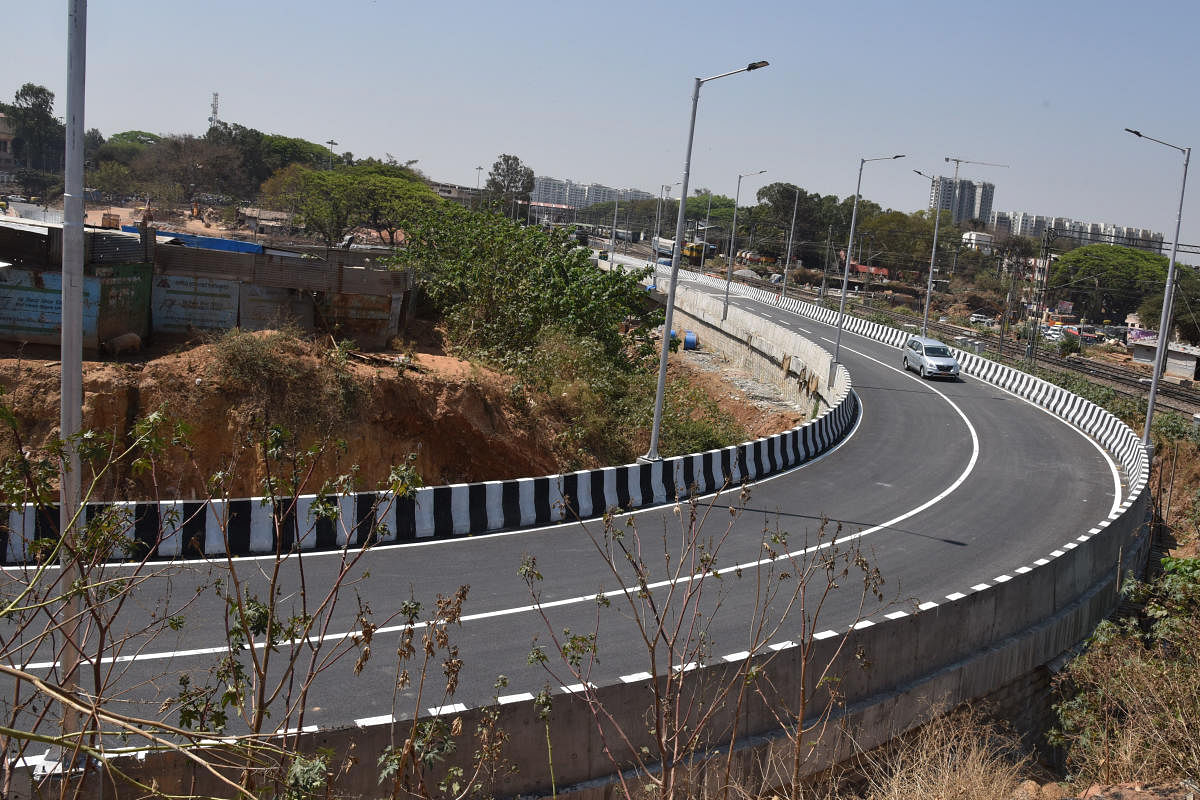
256,526
1114,435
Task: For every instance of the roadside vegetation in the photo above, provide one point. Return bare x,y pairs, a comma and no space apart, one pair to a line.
579,339
582,342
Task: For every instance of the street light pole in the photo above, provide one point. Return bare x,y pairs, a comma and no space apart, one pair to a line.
1164,320
477,197
704,241
652,453
837,345
787,259
732,239
937,219
612,242
657,213
71,369
825,270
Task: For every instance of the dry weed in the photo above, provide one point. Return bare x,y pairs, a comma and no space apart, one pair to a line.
961,756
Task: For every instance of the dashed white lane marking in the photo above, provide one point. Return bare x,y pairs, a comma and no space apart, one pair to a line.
366,722
520,697
591,598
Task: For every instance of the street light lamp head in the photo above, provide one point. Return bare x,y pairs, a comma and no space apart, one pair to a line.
756,65
902,155
1135,133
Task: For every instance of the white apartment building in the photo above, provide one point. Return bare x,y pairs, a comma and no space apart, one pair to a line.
972,200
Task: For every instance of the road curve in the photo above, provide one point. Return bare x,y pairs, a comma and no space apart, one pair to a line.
948,485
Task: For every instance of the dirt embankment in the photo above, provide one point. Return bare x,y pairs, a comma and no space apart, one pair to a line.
461,420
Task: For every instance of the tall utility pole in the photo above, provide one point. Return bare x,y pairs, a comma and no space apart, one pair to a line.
732,240
704,243
612,242
477,196
71,362
787,259
1164,320
332,144
656,425
825,273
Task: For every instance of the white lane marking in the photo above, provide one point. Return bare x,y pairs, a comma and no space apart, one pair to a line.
612,593
366,722
520,697
1112,466
659,584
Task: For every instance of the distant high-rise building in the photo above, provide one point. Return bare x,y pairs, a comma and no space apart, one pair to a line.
577,195
599,193
972,200
1021,223
548,190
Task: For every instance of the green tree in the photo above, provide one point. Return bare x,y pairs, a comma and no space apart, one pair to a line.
39,141
499,286
93,140
112,178
1186,306
1106,281
124,147
328,204
389,205
509,183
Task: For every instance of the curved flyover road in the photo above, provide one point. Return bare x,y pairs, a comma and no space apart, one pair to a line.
948,485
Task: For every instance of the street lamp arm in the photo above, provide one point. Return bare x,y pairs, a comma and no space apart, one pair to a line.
1164,322
1140,135
656,425
748,68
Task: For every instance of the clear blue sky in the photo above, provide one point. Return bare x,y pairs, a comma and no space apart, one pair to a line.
601,91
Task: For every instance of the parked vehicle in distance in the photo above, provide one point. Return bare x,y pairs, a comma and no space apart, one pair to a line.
978,318
929,358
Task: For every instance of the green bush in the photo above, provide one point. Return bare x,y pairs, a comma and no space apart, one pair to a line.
609,404
287,380
1129,706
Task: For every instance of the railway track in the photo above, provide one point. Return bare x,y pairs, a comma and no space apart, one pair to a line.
1132,383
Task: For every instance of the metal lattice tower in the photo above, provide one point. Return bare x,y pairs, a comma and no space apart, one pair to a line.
214,120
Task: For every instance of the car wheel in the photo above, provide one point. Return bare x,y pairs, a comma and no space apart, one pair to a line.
922,372
906,363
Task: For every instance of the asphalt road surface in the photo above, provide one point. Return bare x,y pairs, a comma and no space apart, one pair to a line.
945,486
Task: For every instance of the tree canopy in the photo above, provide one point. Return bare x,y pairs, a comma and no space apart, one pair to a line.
331,203
500,285
1107,281
509,183
1185,305
39,138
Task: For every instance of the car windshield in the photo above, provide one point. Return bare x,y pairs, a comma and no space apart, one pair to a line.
941,351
